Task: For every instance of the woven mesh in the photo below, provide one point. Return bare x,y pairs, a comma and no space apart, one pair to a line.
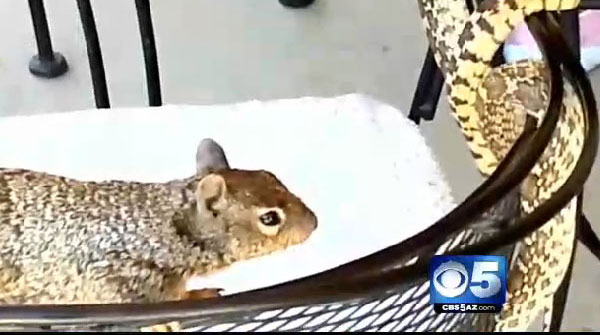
406,307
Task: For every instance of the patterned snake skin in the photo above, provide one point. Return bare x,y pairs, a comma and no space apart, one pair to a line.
490,106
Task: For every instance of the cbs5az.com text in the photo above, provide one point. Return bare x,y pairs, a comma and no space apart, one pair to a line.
472,308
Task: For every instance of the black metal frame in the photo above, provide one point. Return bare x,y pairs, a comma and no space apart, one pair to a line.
387,271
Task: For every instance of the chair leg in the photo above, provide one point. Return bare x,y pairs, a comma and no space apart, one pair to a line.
570,25
296,3
569,21
431,83
587,236
46,63
429,89
559,300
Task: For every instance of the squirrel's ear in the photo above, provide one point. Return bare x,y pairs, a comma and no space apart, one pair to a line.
210,157
211,191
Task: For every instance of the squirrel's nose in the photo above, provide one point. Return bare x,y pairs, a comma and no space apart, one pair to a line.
312,219
303,228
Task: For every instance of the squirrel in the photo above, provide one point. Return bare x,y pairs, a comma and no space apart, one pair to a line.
66,241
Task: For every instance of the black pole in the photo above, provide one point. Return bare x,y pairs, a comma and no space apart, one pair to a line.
149,46
559,301
590,4
431,82
569,22
47,63
296,3
94,54
429,89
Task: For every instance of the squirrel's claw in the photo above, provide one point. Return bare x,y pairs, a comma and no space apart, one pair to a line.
205,293
175,326
162,328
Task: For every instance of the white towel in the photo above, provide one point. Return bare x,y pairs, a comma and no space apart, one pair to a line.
361,165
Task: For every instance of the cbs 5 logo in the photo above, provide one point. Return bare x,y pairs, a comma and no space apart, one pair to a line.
451,279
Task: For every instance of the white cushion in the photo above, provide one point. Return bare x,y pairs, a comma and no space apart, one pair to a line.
361,165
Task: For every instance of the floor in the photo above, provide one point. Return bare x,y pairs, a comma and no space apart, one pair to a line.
236,50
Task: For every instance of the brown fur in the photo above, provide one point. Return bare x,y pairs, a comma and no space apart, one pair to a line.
69,241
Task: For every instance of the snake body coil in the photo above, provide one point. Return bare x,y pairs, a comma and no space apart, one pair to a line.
490,106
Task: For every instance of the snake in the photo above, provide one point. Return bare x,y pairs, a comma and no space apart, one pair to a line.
490,105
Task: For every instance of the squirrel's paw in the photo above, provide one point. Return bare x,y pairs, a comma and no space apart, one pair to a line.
163,328
205,293
175,326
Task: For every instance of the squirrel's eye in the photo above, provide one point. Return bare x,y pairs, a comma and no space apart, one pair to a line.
270,218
